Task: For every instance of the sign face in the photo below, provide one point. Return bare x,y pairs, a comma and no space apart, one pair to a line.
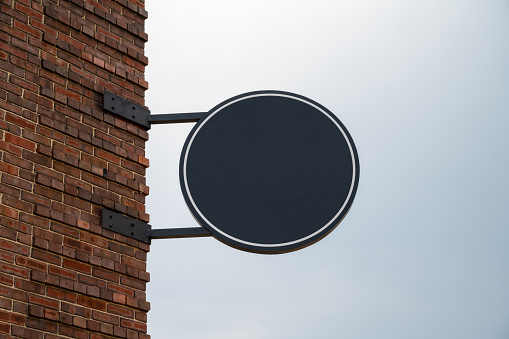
269,172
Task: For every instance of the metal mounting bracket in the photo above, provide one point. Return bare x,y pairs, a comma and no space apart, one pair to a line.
143,232
129,227
126,109
141,115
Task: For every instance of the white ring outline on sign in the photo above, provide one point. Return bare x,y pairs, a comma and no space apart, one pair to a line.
286,243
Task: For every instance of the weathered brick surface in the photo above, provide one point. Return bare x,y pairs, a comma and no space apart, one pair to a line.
62,159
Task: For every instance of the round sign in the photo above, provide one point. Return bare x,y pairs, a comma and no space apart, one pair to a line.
269,171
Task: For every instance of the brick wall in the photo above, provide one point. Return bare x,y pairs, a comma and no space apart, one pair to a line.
62,159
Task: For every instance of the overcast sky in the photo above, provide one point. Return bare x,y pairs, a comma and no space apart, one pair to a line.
423,87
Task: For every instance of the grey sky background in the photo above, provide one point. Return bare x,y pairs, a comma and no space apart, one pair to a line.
423,87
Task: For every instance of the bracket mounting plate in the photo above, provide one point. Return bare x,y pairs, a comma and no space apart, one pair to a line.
129,227
126,109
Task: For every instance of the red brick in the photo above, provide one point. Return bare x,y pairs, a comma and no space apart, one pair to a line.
51,314
50,236
24,84
10,138
47,192
17,203
79,322
35,311
25,262
134,325
46,256
77,266
107,156
6,256
14,270
104,274
45,302
11,88
83,224
28,11
65,230
61,294
19,162
121,311
33,220
26,28
143,161
120,289
17,182
35,199
10,147
67,93
93,303
93,239
133,262
29,286
134,283
62,273
12,318
38,276
8,212
78,245
5,328
27,333
104,317
55,293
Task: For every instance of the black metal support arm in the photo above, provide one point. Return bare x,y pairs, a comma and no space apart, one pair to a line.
142,231
155,119
188,232
141,115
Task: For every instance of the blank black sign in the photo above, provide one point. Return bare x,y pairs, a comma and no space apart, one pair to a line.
269,171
